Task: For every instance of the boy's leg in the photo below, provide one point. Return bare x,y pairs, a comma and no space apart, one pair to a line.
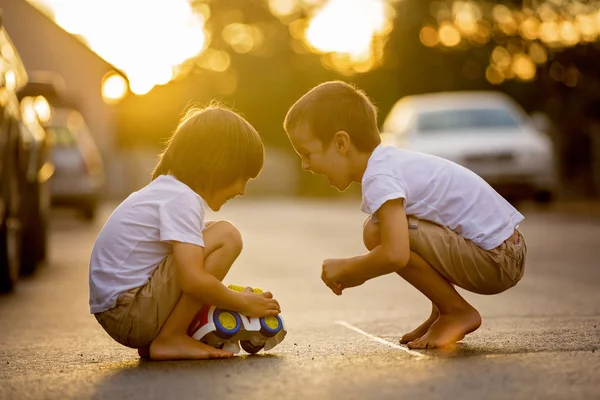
371,240
222,245
456,316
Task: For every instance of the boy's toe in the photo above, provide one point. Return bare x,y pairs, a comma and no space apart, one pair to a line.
410,337
222,354
420,343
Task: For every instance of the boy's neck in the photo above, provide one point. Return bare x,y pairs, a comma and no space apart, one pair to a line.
359,163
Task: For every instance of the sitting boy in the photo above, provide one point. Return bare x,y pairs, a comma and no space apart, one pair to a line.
433,222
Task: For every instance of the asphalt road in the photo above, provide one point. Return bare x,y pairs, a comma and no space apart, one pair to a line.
540,339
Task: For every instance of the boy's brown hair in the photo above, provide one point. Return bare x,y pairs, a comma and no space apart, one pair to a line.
336,106
211,148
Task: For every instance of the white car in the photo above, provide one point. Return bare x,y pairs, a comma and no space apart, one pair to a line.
487,132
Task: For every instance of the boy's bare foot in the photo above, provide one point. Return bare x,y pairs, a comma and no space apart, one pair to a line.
184,348
448,329
421,329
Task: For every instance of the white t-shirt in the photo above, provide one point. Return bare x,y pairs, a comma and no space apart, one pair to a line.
439,191
138,236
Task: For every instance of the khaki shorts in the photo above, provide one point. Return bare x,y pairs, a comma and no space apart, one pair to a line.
140,312
465,264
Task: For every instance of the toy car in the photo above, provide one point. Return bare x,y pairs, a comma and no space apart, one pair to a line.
228,330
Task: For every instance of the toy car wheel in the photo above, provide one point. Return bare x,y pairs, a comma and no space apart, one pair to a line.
270,326
249,347
228,323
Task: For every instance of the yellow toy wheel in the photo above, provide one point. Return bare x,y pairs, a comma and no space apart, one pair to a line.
227,322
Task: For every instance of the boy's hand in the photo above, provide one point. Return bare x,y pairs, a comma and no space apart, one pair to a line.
337,276
260,305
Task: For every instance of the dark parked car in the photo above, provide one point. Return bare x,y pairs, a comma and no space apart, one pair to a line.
25,171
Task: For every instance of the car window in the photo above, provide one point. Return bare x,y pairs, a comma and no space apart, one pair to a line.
61,136
465,119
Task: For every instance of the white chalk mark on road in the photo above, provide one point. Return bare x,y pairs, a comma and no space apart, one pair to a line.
380,340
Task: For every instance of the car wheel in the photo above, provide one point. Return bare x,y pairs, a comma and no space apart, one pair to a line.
10,254
10,232
34,249
34,235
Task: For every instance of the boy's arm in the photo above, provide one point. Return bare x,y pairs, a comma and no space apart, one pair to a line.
392,254
198,283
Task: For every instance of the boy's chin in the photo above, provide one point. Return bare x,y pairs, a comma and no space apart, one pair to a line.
214,207
340,187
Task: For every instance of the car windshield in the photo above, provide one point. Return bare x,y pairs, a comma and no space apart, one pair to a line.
62,136
464,119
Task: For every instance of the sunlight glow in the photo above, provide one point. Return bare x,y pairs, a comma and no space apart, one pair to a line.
348,29
144,40
150,42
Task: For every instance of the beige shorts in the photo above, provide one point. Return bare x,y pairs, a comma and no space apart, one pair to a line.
140,312
465,264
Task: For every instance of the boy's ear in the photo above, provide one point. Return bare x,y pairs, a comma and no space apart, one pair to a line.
341,141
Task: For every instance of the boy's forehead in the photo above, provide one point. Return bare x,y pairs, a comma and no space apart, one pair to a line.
302,137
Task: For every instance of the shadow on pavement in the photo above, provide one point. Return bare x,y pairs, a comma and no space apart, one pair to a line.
205,379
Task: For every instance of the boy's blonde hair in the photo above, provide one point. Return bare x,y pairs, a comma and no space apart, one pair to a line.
336,106
211,148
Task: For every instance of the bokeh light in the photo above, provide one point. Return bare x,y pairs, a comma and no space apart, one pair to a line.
525,37
493,75
114,87
42,108
523,67
10,80
282,8
449,35
28,113
429,36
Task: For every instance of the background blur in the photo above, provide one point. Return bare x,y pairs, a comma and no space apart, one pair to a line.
91,89
131,67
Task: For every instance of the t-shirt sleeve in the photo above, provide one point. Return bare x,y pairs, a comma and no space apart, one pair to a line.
378,189
182,220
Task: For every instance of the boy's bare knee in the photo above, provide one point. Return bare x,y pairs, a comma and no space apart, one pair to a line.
230,235
371,235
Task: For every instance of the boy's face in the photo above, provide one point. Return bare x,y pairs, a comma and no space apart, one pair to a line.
219,197
328,160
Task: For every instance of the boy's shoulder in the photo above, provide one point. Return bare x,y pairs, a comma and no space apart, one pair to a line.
385,160
390,160
166,189
171,185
